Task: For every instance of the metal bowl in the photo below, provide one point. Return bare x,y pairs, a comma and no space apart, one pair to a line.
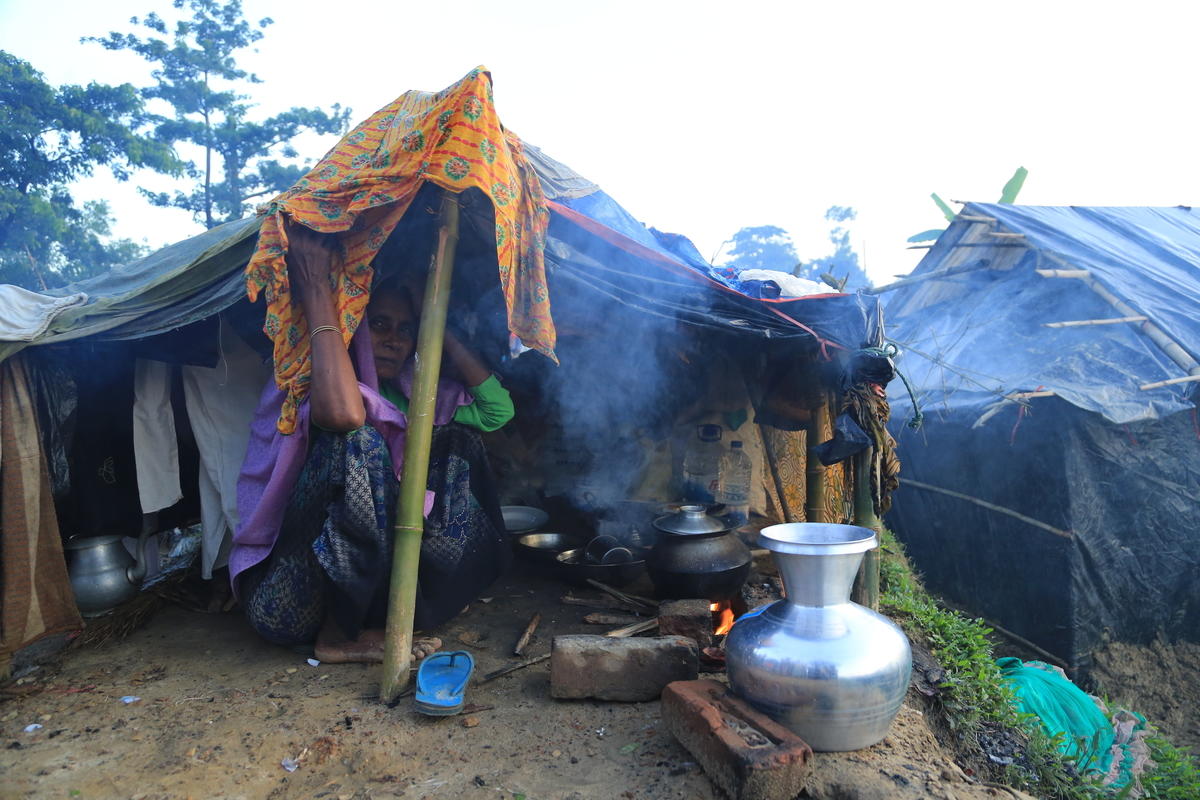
523,519
574,567
545,547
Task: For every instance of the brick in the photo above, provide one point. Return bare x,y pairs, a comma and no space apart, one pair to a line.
629,669
690,618
746,754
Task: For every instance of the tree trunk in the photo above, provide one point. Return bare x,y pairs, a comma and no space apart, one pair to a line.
208,148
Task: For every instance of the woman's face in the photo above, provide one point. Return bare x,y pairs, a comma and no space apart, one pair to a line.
393,332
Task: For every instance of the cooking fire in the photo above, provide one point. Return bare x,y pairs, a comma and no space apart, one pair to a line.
722,614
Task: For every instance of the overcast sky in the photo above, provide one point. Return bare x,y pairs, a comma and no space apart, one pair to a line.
704,117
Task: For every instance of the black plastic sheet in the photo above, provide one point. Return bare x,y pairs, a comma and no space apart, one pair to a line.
1126,494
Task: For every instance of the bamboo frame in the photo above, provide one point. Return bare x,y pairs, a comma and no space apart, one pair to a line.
866,583
1169,382
814,470
1078,323
1169,346
410,507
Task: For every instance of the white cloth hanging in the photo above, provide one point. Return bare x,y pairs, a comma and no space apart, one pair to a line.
155,448
220,405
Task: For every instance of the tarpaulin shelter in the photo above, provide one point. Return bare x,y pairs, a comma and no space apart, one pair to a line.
602,270
1055,485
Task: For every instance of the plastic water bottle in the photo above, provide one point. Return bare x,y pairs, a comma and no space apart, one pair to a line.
702,465
734,485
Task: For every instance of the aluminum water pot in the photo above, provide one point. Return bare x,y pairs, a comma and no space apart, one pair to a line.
831,670
103,574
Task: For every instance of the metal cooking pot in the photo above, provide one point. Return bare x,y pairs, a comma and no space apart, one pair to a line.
697,555
103,574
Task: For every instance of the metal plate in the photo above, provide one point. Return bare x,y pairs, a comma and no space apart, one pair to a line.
523,519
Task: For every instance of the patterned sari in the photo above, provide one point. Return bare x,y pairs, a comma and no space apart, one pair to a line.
334,550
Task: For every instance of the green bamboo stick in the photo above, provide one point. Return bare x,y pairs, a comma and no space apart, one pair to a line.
814,470
866,583
410,507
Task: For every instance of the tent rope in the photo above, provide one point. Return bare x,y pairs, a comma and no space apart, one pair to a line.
890,350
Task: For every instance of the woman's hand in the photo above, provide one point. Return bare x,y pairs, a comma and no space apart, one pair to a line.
334,399
310,261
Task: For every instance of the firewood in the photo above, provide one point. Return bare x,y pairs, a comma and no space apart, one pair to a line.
523,642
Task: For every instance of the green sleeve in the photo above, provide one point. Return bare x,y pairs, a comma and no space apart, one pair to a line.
491,409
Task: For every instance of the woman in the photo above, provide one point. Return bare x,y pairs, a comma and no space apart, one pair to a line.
323,573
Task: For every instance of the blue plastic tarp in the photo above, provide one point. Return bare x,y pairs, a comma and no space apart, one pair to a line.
980,333
614,254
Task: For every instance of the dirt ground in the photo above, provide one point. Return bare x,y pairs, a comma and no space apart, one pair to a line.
1161,681
220,710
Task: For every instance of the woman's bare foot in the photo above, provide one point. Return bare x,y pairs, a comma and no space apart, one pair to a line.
220,593
368,648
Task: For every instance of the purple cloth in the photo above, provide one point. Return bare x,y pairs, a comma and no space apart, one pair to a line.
274,461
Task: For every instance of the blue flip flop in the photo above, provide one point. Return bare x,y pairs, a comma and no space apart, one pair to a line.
441,681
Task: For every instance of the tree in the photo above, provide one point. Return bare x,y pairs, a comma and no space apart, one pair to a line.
50,137
841,269
196,74
762,247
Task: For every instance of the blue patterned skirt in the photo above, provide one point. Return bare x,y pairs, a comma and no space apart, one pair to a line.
334,551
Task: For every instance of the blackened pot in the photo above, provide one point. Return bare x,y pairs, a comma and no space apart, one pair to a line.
697,556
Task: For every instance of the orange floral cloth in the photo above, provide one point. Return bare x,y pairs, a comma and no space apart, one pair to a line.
362,188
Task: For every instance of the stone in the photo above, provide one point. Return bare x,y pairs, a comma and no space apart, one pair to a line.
746,754
627,669
690,618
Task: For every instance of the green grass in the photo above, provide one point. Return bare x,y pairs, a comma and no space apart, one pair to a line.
1177,776
974,698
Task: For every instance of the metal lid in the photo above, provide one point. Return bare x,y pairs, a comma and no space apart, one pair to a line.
690,521
84,542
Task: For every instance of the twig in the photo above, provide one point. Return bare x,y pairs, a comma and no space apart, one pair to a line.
601,618
631,599
1021,640
600,602
618,633
513,667
523,642
634,629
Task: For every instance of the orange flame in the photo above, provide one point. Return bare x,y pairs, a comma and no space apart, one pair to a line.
722,618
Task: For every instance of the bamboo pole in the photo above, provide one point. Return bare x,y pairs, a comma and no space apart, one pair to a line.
866,583
410,507
1077,323
989,506
910,280
1169,382
814,470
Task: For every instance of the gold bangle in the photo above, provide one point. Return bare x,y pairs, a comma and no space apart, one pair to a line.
320,328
